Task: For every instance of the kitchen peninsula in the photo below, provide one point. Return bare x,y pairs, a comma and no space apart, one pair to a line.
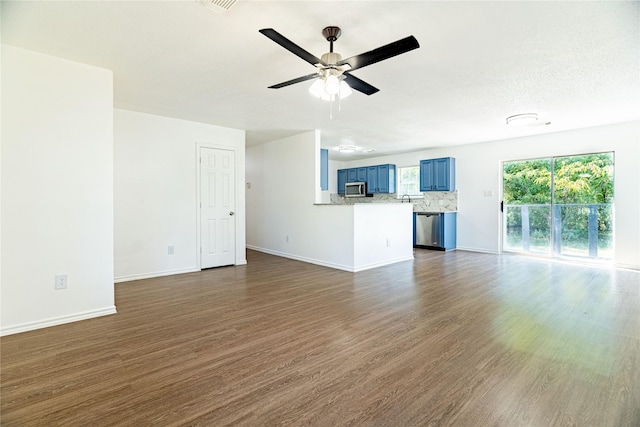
372,234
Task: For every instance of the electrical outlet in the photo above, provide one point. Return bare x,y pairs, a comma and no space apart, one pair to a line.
171,250
286,239
62,280
388,243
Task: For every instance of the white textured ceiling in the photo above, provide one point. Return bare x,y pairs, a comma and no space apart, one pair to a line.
577,64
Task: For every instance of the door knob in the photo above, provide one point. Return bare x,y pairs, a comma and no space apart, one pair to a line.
232,213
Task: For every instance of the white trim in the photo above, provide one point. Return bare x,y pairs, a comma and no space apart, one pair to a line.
479,250
155,274
199,147
382,264
55,321
328,264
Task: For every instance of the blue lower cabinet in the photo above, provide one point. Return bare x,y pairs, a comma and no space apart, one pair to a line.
449,227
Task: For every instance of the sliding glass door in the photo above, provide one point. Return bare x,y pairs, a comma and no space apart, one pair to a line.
559,206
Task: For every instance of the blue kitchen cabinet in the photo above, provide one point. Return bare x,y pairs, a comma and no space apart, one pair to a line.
324,169
342,180
379,178
372,179
386,178
362,174
438,174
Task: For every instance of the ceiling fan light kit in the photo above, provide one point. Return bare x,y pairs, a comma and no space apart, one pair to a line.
329,87
333,75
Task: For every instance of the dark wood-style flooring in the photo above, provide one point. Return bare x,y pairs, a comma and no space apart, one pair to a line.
454,338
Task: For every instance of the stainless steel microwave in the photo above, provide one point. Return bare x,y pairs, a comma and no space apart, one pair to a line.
356,189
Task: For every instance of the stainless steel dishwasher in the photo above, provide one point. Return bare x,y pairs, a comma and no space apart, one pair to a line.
428,229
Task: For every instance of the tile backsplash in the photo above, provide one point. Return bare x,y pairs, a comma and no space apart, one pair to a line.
432,201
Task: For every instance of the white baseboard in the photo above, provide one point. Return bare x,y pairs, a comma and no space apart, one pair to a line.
299,258
382,264
54,321
343,267
480,250
624,266
156,274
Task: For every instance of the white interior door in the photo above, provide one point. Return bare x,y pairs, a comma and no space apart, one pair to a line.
217,207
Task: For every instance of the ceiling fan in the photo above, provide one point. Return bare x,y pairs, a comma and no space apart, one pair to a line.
334,73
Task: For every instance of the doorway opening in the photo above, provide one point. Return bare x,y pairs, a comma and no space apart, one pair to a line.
559,206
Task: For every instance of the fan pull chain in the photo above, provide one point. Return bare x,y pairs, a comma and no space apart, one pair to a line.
331,109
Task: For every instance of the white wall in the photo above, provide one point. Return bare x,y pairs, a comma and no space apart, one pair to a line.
478,169
282,218
156,192
383,234
57,190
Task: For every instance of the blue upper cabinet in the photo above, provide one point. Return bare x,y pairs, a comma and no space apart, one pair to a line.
438,174
386,178
324,169
342,180
362,174
379,179
372,179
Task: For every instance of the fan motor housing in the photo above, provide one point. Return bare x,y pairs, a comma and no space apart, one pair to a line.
331,58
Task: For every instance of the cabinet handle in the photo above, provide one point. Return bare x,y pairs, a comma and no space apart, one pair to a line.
232,213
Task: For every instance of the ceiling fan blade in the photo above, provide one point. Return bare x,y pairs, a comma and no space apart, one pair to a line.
380,54
291,46
293,81
359,85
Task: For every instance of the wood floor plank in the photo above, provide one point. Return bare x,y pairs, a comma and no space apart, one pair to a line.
451,338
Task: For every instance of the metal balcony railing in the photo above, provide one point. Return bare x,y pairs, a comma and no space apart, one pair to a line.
587,227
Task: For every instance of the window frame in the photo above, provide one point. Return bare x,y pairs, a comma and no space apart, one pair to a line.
399,193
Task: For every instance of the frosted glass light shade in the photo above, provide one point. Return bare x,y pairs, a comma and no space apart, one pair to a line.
330,88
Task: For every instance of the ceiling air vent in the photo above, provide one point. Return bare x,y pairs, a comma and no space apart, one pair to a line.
218,6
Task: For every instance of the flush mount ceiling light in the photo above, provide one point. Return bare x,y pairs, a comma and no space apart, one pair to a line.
347,148
522,119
